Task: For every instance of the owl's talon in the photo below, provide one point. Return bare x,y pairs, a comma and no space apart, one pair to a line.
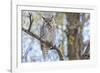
53,47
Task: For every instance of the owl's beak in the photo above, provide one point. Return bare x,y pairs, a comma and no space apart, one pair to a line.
49,25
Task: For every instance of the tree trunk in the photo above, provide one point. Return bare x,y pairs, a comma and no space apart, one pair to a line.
74,36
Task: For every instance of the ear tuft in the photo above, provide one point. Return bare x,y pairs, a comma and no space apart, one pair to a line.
43,18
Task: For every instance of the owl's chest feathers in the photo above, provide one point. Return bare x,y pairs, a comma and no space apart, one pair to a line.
49,29
49,33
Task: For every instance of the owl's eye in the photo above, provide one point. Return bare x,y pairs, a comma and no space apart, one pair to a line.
50,20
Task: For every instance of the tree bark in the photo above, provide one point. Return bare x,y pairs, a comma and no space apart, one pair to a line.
74,36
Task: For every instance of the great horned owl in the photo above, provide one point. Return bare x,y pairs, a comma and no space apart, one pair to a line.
47,33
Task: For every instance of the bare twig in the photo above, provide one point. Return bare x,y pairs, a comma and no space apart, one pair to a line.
86,54
31,21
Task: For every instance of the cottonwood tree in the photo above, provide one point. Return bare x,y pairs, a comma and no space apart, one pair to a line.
74,35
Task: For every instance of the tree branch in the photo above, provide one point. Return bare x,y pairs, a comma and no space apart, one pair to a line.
86,54
58,51
37,37
45,42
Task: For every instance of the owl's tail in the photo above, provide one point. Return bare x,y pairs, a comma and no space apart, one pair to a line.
45,53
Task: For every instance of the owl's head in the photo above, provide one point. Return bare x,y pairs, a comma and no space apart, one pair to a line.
48,20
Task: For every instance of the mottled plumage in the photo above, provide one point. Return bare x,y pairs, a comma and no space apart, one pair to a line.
47,33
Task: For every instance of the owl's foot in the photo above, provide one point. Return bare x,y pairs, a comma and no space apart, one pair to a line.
53,47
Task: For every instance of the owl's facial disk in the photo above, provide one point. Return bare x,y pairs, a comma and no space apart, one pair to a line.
48,21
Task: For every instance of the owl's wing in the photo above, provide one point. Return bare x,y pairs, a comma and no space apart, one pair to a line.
42,32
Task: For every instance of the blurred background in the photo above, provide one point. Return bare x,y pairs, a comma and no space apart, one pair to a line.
72,36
